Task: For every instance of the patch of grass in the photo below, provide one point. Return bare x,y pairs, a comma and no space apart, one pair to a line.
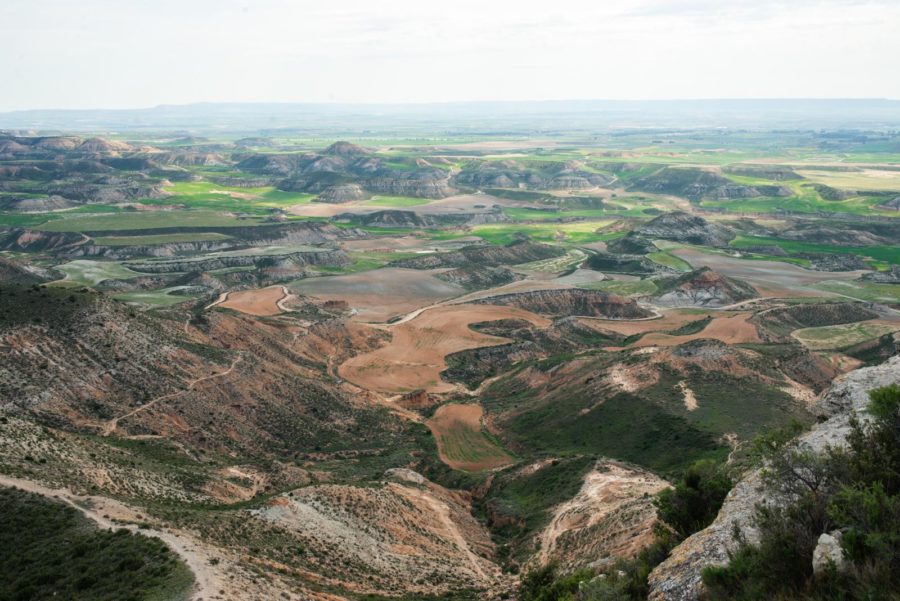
633,288
580,232
841,336
397,201
559,264
464,445
85,272
146,220
867,291
671,261
624,427
211,196
890,254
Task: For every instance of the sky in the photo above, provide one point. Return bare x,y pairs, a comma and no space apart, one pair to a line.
142,53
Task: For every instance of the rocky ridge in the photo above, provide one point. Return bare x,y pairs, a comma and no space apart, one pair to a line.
678,578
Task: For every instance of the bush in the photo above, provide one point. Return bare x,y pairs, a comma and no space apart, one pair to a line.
855,491
695,501
50,551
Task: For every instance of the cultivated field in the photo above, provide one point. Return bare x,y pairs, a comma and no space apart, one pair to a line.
462,441
414,358
261,302
380,294
842,336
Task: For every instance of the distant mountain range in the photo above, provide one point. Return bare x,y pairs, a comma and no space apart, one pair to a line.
473,117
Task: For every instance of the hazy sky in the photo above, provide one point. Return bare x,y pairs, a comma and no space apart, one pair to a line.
136,53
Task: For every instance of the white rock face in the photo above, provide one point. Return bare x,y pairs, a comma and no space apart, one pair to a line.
828,551
678,578
402,474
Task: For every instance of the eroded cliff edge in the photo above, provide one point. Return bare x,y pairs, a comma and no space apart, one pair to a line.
678,578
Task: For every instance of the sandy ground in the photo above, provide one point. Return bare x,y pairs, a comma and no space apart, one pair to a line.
415,356
260,301
733,329
690,399
613,500
453,416
671,319
380,294
772,278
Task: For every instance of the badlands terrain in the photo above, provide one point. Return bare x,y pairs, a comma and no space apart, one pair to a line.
425,367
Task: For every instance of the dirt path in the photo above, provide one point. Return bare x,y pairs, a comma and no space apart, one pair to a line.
286,296
222,298
110,426
209,580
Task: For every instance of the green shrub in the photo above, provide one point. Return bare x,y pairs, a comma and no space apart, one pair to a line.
855,491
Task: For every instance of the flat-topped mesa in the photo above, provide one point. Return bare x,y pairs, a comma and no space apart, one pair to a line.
702,287
572,301
687,229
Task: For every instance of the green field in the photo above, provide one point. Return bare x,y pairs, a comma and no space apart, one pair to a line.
632,288
889,254
570,260
212,196
397,201
145,220
580,232
842,336
867,291
84,272
463,444
671,261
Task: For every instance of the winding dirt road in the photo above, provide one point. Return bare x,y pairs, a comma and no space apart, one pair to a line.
110,426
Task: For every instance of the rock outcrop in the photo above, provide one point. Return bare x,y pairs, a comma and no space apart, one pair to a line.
478,277
891,205
612,517
702,288
892,276
695,183
210,263
686,228
25,240
520,251
678,578
342,193
625,263
571,301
